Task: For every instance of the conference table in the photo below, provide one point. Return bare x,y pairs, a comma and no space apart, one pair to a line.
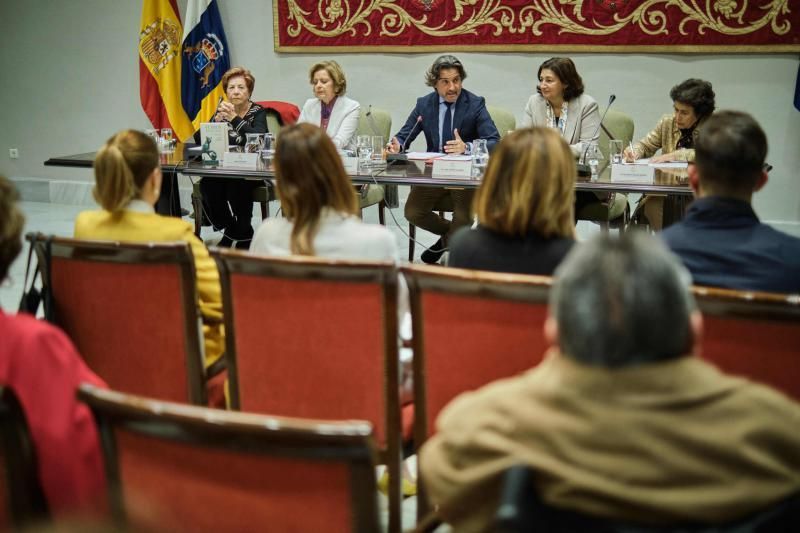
665,181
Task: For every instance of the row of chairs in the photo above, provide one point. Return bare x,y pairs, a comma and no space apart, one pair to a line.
313,338
177,467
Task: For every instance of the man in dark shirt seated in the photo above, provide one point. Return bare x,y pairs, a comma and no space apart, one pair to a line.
721,241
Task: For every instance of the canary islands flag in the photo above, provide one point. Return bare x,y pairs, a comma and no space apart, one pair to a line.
160,67
205,60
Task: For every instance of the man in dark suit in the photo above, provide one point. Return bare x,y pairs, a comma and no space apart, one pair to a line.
451,118
721,241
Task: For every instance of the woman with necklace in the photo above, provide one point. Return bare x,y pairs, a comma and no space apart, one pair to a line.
675,135
227,202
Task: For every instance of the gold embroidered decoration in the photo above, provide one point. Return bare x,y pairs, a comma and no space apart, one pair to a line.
360,18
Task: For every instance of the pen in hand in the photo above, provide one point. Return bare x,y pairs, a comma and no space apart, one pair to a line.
632,154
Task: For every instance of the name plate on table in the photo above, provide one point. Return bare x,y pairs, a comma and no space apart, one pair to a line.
350,164
240,160
452,168
632,173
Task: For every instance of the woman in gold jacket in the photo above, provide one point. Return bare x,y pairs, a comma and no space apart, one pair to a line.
128,181
675,135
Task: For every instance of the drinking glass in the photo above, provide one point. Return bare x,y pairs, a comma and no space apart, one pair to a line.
615,151
153,134
166,138
593,158
377,148
253,142
268,149
364,147
480,157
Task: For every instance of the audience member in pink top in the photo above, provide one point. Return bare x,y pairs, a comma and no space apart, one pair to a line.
41,365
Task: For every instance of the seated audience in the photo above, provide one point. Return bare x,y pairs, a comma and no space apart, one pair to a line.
721,241
620,420
675,135
40,364
127,184
229,202
524,207
450,118
320,211
330,109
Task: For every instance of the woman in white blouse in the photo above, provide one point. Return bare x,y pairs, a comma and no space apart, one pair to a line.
331,110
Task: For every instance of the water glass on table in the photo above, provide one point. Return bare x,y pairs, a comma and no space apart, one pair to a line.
480,158
615,147
167,143
364,148
253,142
268,149
378,145
593,158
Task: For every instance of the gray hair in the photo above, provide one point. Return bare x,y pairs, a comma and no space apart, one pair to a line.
441,62
622,301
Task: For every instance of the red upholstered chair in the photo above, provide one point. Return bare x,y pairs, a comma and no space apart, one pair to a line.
469,328
176,467
315,338
131,310
752,334
23,500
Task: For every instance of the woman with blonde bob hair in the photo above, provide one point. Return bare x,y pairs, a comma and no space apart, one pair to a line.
318,204
127,184
524,207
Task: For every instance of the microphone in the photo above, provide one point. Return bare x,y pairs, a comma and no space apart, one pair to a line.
401,156
584,169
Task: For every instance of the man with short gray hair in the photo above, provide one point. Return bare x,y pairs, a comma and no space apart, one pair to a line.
619,421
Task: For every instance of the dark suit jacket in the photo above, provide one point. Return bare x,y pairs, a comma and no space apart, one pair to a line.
723,244
471,119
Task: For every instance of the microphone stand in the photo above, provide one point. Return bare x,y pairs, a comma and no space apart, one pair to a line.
584,169
401,155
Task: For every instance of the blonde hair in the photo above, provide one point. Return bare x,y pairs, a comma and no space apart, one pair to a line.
310,177
529,185
336,73
121,168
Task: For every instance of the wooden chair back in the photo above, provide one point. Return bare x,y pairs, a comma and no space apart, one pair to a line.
470,328
131,311
752,334
175,467
23,500
315,338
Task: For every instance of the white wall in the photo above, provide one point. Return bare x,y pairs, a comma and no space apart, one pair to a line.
70,79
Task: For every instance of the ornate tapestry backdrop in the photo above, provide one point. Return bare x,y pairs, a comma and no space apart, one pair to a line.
547,25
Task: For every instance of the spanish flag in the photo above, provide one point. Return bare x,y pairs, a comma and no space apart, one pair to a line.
160,67
206,58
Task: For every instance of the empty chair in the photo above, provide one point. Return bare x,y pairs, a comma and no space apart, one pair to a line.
503,119
23,500
175,467
315,338
131,311
753,334
469,328
375,121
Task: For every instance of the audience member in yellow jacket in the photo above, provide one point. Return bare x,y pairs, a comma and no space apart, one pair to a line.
128,181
